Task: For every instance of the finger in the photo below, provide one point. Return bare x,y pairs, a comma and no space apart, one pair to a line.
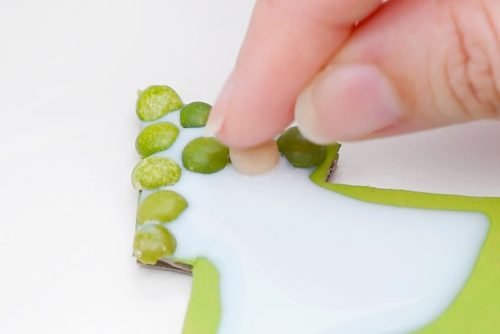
287,42
414,65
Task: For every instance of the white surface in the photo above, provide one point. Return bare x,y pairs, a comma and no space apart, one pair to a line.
295,258
69,71
463,159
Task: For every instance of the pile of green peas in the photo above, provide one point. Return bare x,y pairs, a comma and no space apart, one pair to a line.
153,241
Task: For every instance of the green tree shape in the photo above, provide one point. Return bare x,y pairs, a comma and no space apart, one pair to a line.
476,309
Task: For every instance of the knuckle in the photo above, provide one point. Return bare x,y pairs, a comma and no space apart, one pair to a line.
473,61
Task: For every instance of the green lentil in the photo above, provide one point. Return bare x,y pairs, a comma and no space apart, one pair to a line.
156,138
153,242
205,155
195,114
299,151
156,101
153,172
162,206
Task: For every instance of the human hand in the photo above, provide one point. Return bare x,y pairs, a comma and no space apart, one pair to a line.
409,65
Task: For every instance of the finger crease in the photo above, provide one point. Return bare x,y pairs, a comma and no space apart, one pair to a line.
471,92
491,71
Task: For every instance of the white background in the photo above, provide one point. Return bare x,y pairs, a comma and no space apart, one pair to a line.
69,72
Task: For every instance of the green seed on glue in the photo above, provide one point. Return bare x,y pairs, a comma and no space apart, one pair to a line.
154,172
162,206
156,138
205,155
156,101
195,114
153,242
299,151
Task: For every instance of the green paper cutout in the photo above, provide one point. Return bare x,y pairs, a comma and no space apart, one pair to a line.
476,308
204,311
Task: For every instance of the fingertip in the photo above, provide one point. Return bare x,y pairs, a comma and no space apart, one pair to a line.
220,108
306,117
245,130
249,112
347,103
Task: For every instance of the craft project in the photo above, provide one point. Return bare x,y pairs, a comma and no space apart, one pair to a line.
289,252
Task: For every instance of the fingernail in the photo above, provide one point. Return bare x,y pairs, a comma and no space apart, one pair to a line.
220,109
347,103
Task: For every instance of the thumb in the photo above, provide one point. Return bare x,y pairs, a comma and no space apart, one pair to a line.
287,43
413,65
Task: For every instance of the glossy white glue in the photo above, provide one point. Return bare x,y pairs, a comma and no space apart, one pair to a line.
295,258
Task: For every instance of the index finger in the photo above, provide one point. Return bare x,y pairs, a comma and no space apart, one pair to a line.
287,43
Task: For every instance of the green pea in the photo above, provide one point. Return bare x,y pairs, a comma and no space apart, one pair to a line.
205,155
153,242
195,114
299,151
156,101
156,138
162,206
154,172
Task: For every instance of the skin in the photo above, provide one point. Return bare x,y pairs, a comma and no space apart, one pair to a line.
404,66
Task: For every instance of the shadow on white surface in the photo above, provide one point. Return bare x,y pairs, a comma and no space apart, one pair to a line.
462,160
